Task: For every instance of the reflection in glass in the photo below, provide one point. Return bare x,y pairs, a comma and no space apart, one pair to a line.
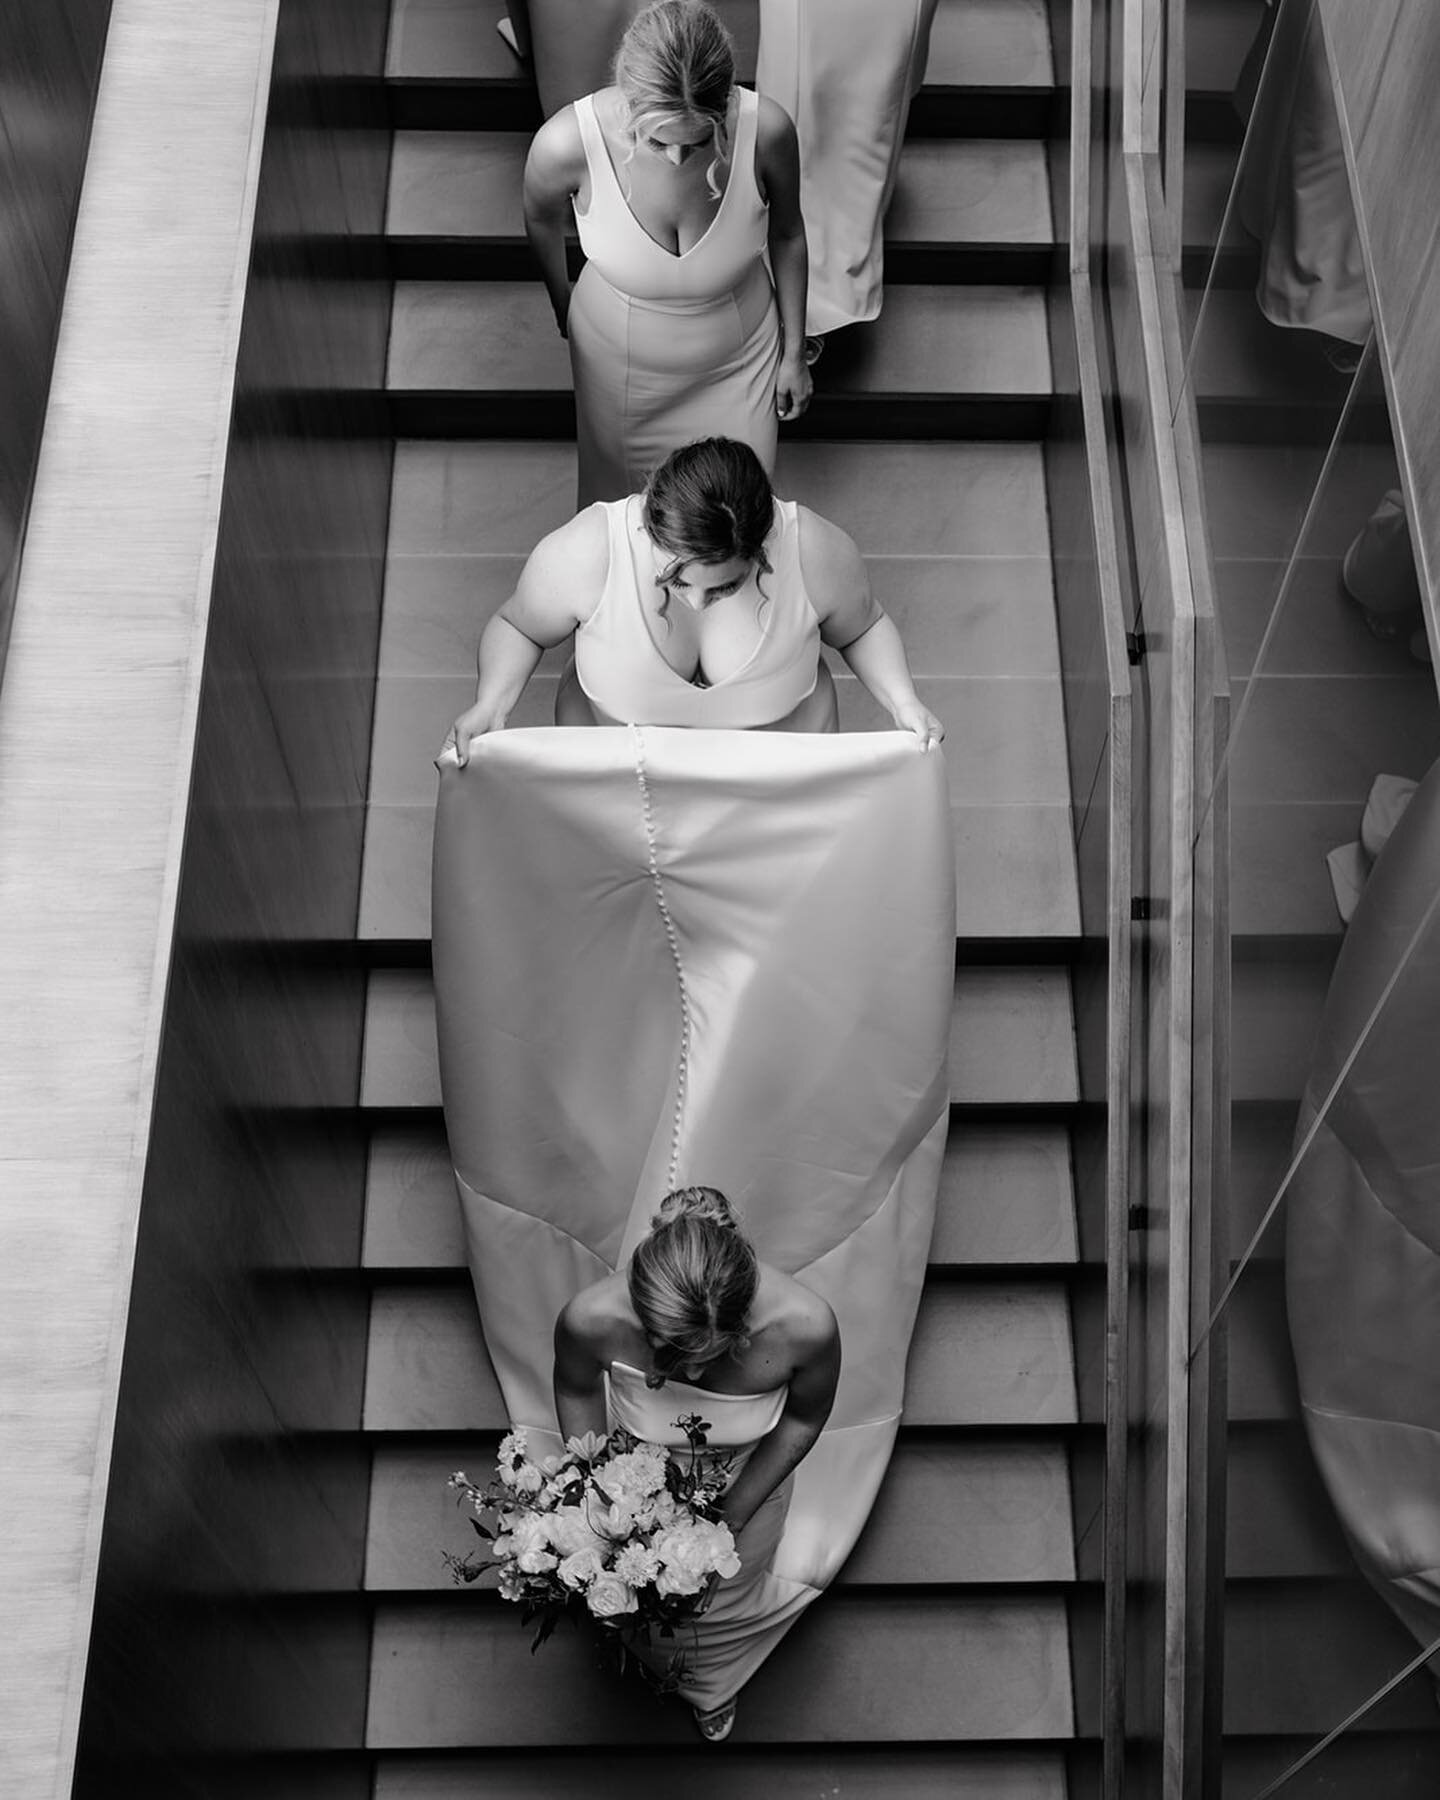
1329,1294
1283,282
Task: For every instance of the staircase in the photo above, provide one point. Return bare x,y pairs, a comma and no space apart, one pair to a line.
958,1652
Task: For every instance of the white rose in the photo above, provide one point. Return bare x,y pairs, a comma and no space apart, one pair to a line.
581,1569
536,1562
608,1596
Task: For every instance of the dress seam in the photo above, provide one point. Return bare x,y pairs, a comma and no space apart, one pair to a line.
672,938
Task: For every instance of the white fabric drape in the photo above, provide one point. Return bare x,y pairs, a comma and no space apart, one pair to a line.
771,913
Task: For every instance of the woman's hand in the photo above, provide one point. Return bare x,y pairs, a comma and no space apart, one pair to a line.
793,385
911,715
484,716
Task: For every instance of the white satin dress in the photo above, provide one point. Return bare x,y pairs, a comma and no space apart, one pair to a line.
750,1611
672,956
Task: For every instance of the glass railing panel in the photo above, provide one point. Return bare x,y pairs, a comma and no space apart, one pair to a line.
1325,1330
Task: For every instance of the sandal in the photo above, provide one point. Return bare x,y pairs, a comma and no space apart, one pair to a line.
716,1726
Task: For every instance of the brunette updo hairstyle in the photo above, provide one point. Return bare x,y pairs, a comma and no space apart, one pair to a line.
693,1280
677,63
709,501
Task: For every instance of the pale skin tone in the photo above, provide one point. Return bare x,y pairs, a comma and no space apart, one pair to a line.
794,1343
667,191
709,628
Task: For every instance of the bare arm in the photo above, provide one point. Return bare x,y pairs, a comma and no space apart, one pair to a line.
807,1406
558,589
579,1375
554,170
778,156
852,622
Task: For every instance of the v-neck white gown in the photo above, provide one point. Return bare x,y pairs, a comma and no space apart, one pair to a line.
665,348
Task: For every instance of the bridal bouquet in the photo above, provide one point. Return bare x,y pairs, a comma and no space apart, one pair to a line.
614,1530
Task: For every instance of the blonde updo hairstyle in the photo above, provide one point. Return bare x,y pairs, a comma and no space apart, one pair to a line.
676,64
693,1280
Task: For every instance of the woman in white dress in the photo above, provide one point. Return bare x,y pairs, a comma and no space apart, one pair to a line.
845,71
696,1321
682,186
701,603
664,957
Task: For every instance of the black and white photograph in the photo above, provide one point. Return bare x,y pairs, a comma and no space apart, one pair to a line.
719,899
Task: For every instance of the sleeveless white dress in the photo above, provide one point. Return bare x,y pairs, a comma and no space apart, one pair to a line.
666,348
751,1611
623,674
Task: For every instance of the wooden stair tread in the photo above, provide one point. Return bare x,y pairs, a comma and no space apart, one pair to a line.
1314,628
1258,495
1217,35
1278,1518
1004,43
466,184
991,1353
446,1675
1012,1038
957,1773
897,499
950,1512
1300,1656
1325,738
1005,1196
498,337
1400,1768
980,616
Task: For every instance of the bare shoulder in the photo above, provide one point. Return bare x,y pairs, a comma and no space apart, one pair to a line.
577,551
593,1317
796,1314
825,548
774,128
557,152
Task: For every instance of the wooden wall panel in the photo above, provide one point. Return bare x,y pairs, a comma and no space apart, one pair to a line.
106,677
49,72
228,1619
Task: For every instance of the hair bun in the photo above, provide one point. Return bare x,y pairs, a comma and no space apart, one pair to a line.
706,1203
